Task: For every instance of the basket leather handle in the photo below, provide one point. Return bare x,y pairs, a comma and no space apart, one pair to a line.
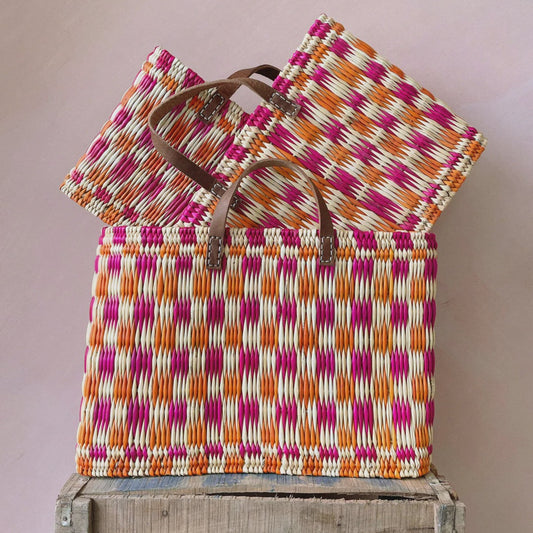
182,162
217,228
268,71
224,93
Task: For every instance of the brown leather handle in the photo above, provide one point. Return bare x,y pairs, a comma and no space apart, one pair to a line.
183,163
215,243
223,94
268,71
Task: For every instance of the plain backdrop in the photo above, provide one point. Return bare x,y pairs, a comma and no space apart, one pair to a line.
65,66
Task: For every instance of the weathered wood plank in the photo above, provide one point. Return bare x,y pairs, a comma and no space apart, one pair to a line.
76,517
460,509
74,512
460,517
445,508
262,483
260,503
240,514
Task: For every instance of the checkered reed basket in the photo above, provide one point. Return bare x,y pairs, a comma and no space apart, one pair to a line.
385,153
291,351
123,180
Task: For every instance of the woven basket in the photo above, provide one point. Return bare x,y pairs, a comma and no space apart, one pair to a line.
122,179
386,154
272,363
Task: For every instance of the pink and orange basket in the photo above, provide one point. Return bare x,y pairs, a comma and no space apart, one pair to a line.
233,326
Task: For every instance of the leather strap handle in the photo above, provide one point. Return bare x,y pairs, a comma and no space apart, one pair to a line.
215,243
268,71
223,94
183,163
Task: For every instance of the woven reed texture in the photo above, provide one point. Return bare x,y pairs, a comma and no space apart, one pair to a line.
386,153
121,178
272,364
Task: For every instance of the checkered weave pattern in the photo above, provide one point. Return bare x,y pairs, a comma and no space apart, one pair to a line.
386,154
271,364
122,179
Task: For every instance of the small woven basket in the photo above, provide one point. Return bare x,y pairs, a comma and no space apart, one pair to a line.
122,179
386,154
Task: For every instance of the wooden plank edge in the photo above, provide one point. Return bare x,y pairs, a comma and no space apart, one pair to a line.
460,517
75,516
445,508
264,484
73,512
234,514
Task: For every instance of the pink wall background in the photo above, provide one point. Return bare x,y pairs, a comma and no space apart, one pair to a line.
65,66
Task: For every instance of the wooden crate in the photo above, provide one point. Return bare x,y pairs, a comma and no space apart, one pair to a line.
257,504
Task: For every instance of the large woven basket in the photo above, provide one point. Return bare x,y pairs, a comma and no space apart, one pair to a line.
386,154
273,363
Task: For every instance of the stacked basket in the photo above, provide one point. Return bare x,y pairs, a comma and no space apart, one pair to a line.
264,298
